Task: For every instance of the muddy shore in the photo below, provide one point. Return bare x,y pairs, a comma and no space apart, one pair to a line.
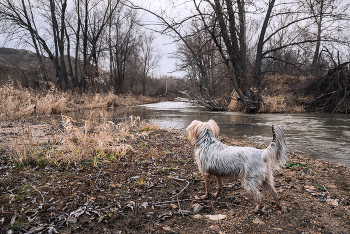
154,187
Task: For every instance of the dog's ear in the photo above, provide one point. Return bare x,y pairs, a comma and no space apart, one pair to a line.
192,130
214,127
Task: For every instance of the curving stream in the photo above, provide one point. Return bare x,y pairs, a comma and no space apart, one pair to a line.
321,135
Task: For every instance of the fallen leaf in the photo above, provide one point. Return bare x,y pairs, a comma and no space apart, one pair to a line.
214,227
258,221
197,216
216,217
13,219
166,228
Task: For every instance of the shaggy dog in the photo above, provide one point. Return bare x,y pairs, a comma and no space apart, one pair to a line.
253,166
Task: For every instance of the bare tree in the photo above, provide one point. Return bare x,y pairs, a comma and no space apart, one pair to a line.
122,43
149,58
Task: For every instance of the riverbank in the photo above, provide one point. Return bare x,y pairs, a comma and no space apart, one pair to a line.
18,102
130,176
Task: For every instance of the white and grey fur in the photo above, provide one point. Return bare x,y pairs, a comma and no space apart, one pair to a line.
253,166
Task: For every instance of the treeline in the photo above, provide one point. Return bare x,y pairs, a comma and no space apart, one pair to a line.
85,44
228,45
226,48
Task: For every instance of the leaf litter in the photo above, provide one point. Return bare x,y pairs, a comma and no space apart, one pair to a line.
153,187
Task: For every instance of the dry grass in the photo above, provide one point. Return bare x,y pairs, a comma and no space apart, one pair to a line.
17,102
274,104
68,141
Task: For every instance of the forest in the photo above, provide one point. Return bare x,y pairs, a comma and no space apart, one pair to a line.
229,52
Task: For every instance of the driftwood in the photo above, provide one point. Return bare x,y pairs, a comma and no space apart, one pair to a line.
209,103
331,92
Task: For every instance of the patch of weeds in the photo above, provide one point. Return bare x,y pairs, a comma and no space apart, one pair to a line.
111,156
171,168
141,181
95,161
16,225
145,146
7,181
345,192
295,164
321,187
195,177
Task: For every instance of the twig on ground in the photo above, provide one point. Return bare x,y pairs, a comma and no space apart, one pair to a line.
182,189
33,186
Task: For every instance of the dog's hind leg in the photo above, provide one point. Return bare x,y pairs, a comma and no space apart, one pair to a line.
268,185
218,186
253,190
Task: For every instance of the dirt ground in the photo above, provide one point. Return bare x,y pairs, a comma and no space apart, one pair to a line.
154,188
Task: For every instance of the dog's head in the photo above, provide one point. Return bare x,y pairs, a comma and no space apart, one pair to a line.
196,127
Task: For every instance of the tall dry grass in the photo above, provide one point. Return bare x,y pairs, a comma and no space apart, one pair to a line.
17,102
94,139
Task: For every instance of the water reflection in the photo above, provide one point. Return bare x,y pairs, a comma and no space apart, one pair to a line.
324,136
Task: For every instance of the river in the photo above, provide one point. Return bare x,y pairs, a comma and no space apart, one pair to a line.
320,135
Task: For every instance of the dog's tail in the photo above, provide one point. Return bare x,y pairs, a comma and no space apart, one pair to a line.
277,150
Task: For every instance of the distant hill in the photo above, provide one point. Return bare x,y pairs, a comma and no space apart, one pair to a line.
17,58
20,66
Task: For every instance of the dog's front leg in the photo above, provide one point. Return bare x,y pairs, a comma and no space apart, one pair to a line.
207,186
218,186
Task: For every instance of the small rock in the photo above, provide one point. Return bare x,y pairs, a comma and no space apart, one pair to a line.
333,202
309,187
149,215
184,212
52,208
258,221
214,227
216,217
166,214
134,177
144,204
72,220
197,216
167,228
197,208
48,168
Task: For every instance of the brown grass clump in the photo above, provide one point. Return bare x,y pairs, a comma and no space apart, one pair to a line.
17,102
274,104
70,141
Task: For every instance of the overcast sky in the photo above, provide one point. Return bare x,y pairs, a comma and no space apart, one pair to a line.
172,8
167,65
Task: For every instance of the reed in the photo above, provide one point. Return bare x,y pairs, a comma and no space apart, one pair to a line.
16,101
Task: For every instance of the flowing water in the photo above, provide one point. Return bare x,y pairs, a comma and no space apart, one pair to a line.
320,135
